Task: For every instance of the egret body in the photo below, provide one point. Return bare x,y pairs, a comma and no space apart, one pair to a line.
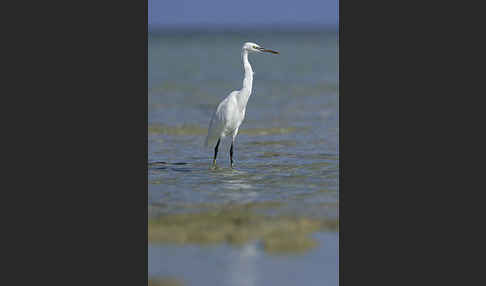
230,112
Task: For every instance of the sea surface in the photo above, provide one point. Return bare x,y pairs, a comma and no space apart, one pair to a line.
273,219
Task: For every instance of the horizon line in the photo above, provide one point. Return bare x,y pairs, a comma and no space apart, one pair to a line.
208,27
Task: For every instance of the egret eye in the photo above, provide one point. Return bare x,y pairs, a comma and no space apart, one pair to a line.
255,47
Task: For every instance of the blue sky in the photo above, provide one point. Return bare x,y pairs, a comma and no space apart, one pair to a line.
246,13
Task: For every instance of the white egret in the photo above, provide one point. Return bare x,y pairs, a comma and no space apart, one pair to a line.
230,112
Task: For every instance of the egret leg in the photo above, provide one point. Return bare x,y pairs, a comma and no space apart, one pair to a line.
231,155
215,153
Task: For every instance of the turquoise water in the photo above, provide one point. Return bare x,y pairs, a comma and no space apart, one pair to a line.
286,153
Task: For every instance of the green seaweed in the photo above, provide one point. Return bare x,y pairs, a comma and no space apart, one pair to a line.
190,129
237,225
164,281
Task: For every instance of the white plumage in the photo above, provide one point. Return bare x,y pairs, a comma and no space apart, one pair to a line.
230,112
226,120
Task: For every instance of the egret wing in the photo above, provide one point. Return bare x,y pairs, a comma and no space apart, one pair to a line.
214,130
216,125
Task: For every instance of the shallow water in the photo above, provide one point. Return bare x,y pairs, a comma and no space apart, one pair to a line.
286,159
246,265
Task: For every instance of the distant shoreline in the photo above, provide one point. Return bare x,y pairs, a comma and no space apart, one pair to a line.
205,28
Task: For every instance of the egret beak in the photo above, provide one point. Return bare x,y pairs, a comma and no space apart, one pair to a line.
268,51
271,51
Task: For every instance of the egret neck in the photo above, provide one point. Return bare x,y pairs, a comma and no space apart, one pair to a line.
245,92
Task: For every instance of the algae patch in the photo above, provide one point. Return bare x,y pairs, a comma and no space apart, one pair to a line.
268,131
237,225
191,129
284,143
186,129
164,282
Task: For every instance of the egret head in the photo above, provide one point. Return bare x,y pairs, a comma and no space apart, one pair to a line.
255,48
